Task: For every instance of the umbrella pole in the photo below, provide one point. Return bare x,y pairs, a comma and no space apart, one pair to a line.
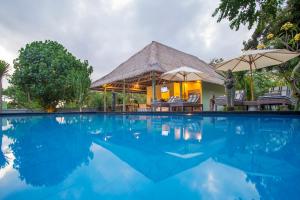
251,82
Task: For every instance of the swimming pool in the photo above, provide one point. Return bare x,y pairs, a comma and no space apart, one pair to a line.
98,156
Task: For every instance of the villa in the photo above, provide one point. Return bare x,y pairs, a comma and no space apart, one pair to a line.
141,74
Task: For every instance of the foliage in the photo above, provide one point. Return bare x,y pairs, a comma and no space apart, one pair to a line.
215,61
288,12
4,68
94,100
41,72
249,12
79,82
20,99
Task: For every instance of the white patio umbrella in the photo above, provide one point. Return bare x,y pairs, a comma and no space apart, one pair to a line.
256,59
183,74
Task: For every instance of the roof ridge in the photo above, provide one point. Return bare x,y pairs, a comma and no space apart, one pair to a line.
140,51
152,57
161,44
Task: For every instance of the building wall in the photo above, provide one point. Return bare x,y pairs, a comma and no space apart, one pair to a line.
174,90
208,90
160,95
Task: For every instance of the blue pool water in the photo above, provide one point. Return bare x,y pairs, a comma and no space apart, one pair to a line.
96,156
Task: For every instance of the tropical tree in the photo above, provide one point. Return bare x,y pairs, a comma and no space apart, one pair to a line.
41,72
79,82
276,24
251,12
20,98
288,37
4,68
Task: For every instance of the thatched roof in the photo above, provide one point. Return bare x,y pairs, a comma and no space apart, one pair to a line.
159,58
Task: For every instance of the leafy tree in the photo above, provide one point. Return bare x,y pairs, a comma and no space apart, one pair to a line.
79,82
94,100
249,12
41,72
20,99
4,67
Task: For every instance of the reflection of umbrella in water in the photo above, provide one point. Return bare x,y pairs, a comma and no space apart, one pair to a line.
256,59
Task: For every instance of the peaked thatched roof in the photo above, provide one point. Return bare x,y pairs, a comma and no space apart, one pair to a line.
158,58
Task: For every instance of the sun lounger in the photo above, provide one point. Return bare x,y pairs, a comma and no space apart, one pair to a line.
192,102
276,96
238,99
160,104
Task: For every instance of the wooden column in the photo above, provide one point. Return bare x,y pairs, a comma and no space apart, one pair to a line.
180,90
104,100
124,97
153,90
153,87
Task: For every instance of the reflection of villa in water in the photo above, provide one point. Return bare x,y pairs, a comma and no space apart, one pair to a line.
180,145
158,147
176,146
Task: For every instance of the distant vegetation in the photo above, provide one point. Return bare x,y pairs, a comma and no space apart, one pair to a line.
47,75
4,68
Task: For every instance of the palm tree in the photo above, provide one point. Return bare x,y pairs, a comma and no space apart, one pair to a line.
4,67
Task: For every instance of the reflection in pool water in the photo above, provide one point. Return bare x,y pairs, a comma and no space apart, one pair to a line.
149,157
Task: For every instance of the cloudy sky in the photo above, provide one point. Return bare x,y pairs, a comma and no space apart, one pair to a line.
107,32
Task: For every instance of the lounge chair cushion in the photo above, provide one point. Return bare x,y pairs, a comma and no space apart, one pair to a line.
173,99
193,98
239,95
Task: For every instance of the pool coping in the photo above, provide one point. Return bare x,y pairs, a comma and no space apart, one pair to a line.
242,113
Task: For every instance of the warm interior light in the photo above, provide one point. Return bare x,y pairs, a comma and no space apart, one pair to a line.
136,86
199,136
165,130
177,133
186,135
198,81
